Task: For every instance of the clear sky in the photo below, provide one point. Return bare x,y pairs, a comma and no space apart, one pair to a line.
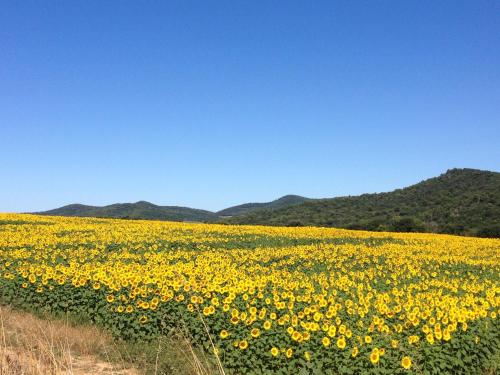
214,103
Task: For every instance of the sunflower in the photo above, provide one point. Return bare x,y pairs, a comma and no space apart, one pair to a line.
255,333
332,331
406,362
374,356
326,342
341,343
296,336
446,335
430,338
243,344
355,352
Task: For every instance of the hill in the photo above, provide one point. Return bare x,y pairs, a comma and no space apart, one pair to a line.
150,211
285,201
460,201
138,210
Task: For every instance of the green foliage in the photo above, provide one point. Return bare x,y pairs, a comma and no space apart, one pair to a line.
285,201
138,210
148,211
461,201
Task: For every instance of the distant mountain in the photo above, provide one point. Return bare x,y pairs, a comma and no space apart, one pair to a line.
138,210
285,201
460,201
150,211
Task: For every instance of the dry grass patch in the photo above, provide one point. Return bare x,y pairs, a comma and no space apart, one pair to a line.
30,345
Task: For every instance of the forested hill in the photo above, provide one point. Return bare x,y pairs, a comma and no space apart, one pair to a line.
138,210
285,201
150,211
460,201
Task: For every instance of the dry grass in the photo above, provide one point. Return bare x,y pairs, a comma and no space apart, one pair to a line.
34,346
30,345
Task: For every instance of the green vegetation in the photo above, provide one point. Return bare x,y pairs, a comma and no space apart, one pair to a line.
149,211
285,201
138,210
461,201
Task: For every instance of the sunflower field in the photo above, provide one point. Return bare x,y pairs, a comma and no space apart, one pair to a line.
267,299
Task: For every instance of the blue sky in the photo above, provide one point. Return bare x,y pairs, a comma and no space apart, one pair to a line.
214,103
